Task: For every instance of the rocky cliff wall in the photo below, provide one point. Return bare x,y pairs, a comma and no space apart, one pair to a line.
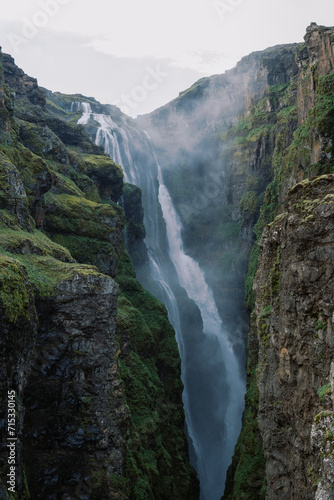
303,138
294,324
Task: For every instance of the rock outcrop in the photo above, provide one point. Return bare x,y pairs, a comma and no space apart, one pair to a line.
20,83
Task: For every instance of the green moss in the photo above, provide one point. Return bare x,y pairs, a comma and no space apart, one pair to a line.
65,185
319,325
87,250
14,291
256,133
73,214
246,477
324,390
17,241
54,107
266,311
277,89
288,114
41,141
249,202
98,163
46,273
252,183
88,187
125,269
33,169
8,220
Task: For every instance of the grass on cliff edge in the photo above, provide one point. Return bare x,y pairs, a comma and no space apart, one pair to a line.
45,272
22,242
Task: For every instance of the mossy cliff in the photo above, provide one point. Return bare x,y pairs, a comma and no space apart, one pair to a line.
90,354
303,136
232,147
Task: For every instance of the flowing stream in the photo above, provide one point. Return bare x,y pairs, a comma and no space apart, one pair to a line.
214,387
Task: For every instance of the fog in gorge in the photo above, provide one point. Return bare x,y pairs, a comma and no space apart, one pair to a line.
212,374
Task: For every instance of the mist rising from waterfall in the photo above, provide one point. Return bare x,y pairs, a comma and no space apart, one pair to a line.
213,385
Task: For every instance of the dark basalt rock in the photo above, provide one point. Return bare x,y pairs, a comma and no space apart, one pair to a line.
22,84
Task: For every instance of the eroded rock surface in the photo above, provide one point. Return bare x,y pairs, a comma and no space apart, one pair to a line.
295,324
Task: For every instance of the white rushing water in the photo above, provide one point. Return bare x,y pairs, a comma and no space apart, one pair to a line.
213,423
193,280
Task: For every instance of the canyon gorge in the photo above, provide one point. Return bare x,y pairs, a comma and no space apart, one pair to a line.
166,286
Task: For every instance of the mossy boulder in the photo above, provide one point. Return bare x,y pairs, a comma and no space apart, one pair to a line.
36,176
74,215
34,242
106,174
43,142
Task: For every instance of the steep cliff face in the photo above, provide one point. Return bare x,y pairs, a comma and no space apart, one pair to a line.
294,324
89,353
222,142
303,137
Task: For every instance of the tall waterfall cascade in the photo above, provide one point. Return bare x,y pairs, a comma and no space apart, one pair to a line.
214,385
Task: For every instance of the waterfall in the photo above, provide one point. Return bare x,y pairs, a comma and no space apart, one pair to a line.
86,113
192,278
213,396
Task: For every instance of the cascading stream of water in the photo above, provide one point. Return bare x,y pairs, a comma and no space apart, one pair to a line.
192,279
214,388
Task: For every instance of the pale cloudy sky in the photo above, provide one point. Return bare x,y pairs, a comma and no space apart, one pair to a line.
141,54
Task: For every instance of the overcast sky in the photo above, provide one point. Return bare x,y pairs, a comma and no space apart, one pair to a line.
141,54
